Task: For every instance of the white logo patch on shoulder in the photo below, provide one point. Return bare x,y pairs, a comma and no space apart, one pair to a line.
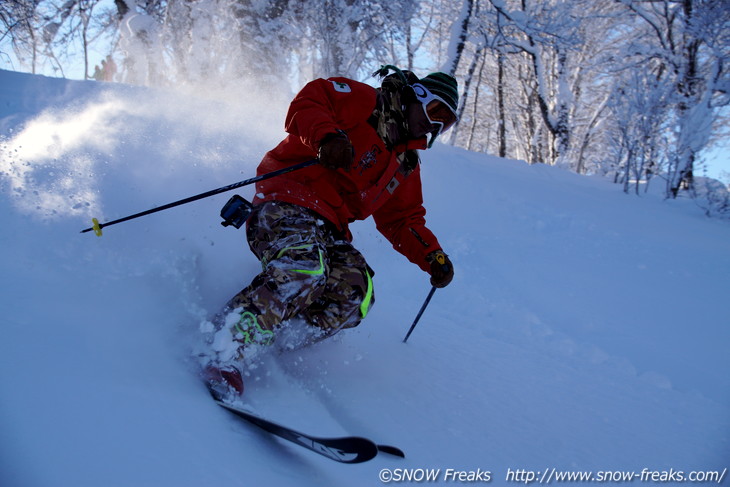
341,87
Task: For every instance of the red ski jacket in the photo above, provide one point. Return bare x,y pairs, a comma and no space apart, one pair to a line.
376,184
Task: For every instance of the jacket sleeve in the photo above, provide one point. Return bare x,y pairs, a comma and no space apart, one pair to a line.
402,221
325,105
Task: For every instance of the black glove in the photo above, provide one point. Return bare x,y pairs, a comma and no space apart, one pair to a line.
336,151
442,271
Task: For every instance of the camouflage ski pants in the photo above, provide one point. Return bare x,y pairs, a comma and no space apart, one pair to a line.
309,271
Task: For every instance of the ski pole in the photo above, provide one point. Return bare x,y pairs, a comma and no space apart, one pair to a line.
418,316
98,226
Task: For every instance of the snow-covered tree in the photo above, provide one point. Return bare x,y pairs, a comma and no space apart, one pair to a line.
685,43
51,33
20,31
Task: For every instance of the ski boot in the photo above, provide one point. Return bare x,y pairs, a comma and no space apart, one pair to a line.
224,382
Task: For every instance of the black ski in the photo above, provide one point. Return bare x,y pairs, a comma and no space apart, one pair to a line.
344,449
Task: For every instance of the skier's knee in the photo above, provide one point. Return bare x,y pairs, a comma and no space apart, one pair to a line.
348,298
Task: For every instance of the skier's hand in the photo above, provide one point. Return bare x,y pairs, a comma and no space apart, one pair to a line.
442,271
336,151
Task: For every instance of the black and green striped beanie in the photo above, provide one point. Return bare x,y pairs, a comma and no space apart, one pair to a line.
444,86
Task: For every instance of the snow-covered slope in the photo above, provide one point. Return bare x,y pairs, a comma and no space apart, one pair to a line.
585,329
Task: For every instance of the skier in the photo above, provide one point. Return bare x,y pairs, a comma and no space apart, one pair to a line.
366,140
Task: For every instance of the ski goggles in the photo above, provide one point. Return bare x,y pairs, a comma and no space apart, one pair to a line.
437,111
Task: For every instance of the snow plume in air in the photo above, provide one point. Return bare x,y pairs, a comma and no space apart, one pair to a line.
50,164
55,163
